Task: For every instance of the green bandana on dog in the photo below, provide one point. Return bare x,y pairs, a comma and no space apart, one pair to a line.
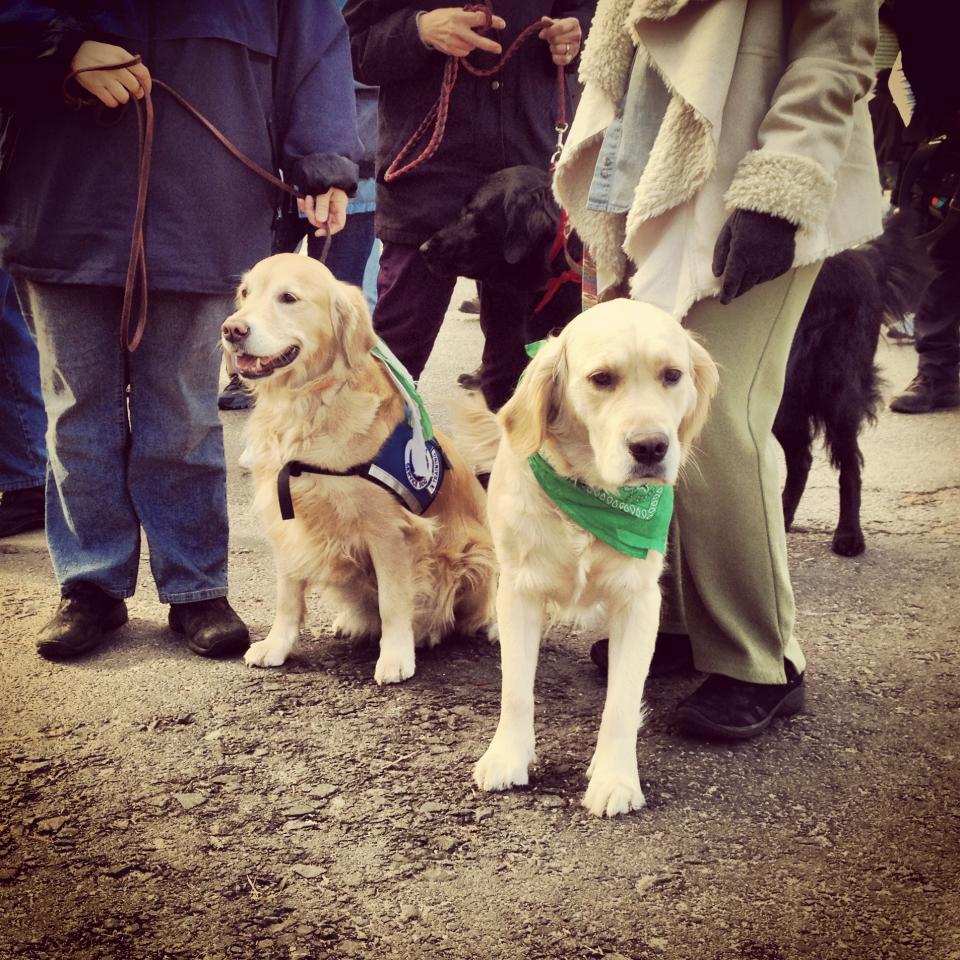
633,520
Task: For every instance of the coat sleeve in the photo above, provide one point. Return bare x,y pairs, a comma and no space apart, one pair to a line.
314,102
384,41
806,132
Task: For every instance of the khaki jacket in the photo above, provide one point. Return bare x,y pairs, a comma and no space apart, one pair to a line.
767,112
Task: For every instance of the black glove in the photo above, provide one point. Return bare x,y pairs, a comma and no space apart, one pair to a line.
752,248
316,173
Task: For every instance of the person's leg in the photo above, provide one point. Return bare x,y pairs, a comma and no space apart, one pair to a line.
92,527
937,341
23,452
176,474
735,582
411,304
349,249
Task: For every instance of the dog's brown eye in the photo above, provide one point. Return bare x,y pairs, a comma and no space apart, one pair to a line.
243,293
672,375
603,379
287,297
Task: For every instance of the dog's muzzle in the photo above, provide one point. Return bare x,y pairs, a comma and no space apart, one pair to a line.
252,367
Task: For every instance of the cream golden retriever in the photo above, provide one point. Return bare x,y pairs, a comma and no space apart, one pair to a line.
304,339
615,400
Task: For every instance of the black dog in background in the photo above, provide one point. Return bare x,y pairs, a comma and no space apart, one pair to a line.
832,384
504,239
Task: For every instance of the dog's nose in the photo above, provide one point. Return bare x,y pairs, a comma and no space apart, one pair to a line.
234,330
651,449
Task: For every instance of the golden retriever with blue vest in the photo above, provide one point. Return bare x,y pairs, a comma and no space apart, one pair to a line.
399,553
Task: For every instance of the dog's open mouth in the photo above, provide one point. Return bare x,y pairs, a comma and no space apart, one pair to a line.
252,367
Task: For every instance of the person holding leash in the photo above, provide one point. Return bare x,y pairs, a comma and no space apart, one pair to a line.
275,79
721,150
493,121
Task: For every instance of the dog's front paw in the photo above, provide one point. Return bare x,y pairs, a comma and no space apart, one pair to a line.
610,794
393,668
264,653
849,543
504,765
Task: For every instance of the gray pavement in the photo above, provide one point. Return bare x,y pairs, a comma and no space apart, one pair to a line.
156,805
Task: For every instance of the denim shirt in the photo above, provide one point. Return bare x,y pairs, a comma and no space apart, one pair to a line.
628,140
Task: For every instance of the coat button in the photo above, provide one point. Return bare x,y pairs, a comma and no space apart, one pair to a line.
495,85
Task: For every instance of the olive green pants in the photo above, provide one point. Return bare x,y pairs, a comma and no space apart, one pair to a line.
728,583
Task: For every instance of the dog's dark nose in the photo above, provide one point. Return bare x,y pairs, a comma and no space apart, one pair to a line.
234,331
650,450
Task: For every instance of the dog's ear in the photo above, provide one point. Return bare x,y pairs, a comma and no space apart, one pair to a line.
530,225
352,326
706,379
527,413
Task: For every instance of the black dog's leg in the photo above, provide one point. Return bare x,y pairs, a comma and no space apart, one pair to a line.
845,453
795,439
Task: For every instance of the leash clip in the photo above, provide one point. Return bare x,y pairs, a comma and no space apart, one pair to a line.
561,129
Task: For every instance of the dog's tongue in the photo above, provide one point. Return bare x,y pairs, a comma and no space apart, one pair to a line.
249,365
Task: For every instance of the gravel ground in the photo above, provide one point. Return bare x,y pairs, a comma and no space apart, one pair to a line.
156,805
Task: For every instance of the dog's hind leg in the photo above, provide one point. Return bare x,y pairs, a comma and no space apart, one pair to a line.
392,563
507,760
795,439
845,453
291,609
614,778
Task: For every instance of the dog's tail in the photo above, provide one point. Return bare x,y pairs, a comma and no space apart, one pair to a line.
477,432
901,265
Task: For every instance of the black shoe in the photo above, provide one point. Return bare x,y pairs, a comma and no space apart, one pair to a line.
235,396
22,510
471,380
212,627
85,614
470,305
722,708
671,654
924,395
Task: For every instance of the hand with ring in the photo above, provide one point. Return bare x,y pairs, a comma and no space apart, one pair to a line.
564,38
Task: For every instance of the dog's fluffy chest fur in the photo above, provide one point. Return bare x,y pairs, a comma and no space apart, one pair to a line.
553,557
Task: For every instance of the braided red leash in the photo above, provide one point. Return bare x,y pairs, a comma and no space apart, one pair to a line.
438,113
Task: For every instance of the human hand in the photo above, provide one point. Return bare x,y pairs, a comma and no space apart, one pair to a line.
110,87
564,37
752,248
452,30
326,211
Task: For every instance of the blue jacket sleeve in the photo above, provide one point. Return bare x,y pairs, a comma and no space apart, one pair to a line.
314,98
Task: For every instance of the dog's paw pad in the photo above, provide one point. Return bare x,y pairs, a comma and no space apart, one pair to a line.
500,769
392,669
613,795
263,654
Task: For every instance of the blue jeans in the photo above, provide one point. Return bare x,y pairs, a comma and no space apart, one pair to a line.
23,452
154,461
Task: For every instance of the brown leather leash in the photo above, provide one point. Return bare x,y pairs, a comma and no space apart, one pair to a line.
137,264
438,113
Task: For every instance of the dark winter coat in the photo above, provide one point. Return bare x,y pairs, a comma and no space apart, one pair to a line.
274,77
494,122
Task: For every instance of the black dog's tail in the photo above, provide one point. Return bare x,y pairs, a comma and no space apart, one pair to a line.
901,265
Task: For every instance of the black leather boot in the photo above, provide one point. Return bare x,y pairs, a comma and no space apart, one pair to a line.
925,394
84,616
212,627
723,708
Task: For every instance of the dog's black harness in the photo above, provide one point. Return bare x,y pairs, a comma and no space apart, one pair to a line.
391,469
